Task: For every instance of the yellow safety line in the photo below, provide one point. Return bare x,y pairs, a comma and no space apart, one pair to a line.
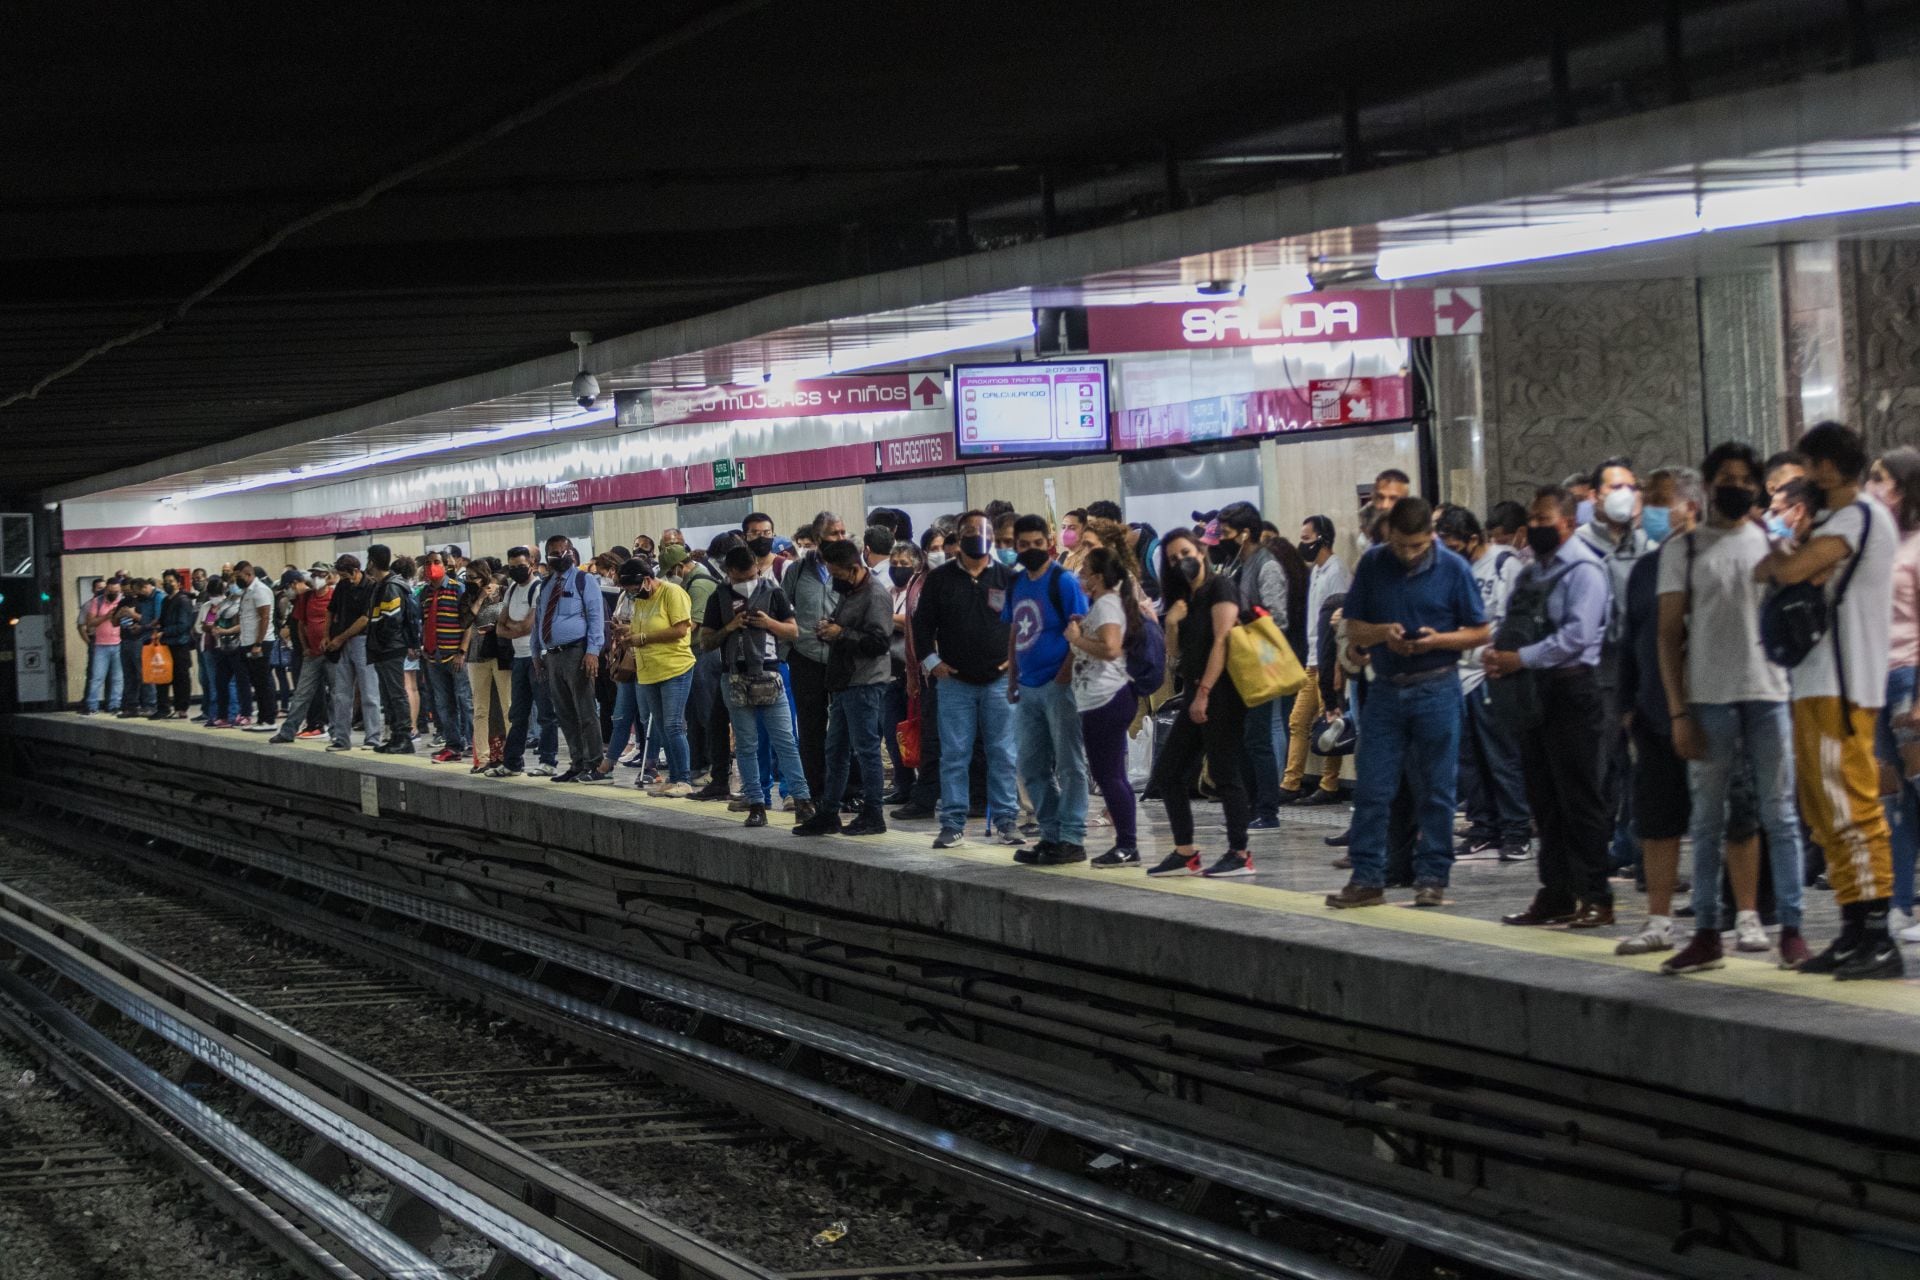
1750,973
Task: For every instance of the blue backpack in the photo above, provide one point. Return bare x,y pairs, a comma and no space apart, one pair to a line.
1146,650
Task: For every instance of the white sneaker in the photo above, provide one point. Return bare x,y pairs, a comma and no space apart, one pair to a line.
1657,935
786,804
541,771
675,791
1748,933
1910,934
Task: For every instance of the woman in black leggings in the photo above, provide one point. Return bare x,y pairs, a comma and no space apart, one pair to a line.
1203,608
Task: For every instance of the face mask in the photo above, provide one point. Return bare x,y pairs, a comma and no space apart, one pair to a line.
761,547
935,559
1309,551
1069,536
900,574
435,572
841,586
520,573
642,593
1732,500
1006,556
743,589
1619,506
1033,559
974,546
1189,567
1224,553
1657,522
1583,512
1544,539
1778,527
234,590
561,561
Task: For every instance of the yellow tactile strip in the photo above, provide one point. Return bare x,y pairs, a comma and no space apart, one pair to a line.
1749,973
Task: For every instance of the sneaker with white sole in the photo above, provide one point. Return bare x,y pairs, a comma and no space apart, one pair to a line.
1177,864
950,839
1118,856
1009,838
1909,934
540,771
1749,934
675,791
1655,935
1230,864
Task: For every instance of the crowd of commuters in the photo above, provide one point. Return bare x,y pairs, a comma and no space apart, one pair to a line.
1724,657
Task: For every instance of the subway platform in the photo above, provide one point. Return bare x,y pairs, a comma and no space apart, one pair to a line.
1847,1053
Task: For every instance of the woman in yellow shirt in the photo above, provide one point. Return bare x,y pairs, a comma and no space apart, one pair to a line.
662,668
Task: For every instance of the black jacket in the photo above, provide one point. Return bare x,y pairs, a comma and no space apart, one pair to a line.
958,618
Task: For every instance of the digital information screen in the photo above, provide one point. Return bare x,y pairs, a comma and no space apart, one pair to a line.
1030,408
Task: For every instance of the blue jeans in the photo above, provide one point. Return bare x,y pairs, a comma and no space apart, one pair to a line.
964,710
104,675
1411,732
529,695
626,710
206,683
1261,766
452,699
354,674
748,743
853,729
1903,810
1053,760
1764,732
664,704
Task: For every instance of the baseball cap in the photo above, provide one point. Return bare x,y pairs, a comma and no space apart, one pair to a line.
673,555
320,566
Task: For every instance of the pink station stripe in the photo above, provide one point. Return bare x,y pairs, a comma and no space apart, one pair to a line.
837,462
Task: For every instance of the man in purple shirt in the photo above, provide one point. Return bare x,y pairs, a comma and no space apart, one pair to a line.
1566,589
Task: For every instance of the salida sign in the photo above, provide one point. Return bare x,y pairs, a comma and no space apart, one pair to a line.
1322,317
807,398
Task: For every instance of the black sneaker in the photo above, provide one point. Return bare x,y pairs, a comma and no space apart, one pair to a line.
1475,849
1033,853
869,823
911,812
822,823
1064,854
1877,956
1230,864
569,774
1177,864
949,838
712,791
1324,797
1839,952
756,816
1521,850
1264,824
595,775
1118,856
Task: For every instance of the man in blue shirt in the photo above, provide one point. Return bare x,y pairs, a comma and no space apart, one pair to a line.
1562,752
569,629
1046,722
1413,605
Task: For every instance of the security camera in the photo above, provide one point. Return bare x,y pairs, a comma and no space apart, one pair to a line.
586,389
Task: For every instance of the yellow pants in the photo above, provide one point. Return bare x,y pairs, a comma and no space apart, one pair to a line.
489,680
1839,786
1306,709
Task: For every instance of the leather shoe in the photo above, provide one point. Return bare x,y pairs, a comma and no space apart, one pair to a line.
1539,914
912,812
1593,915
1337,842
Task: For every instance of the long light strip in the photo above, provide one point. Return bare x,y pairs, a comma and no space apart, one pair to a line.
1634,222
512,431
984,333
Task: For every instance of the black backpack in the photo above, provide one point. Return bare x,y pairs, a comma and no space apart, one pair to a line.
1516,700
1796,617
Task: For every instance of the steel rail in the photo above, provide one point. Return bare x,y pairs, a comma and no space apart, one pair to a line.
549,1248
1422,1223
385,1252
652,1243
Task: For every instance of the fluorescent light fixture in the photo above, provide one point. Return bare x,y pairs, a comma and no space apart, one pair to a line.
1634,222
512,431
919,346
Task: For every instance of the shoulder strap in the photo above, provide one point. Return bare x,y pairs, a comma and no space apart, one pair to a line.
1839,594
1692,536
1053,590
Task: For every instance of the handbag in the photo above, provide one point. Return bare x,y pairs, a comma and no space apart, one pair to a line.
907,734
626,664
755,689
1261,662
156,663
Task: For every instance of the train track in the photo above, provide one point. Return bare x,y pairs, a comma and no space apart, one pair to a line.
574,947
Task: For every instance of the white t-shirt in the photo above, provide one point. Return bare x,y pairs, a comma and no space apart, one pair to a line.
1494,574
519,607
256,597
1096,681
1866,615
1329,579
1725,662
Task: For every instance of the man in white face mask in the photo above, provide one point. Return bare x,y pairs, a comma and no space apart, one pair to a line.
1614,534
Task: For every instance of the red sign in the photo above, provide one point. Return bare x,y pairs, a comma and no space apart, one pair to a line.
1339,402
1314,317
807,398
915,453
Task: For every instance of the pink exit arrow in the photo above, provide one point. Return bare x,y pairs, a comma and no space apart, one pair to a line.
927,391
1457,311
